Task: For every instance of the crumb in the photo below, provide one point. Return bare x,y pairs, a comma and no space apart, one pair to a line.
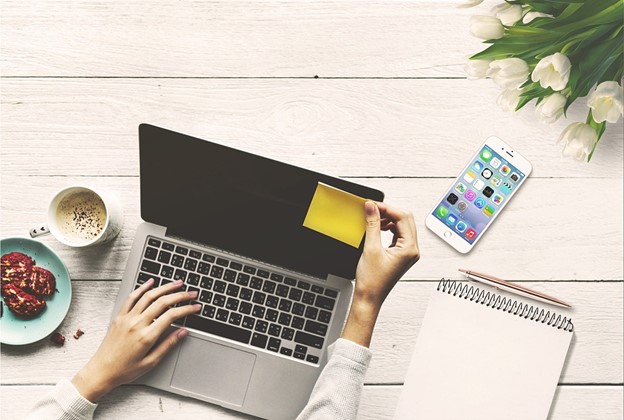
79,333
58,339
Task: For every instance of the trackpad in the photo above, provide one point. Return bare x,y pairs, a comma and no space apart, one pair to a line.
213,371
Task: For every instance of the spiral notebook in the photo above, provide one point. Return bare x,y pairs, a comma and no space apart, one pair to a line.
482,355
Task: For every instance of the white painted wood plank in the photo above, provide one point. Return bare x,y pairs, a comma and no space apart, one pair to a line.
595,355
416,128
545,233
235,38
377,403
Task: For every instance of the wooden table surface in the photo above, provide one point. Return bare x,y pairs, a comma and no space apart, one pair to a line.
371,91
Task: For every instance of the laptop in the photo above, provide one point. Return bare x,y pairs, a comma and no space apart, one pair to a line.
275,294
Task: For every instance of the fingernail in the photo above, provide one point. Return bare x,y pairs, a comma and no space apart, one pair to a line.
369,206
182,333
194,293
178,282
149,281
197,306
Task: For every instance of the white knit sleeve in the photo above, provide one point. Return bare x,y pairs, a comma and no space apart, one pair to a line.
337,392
63,402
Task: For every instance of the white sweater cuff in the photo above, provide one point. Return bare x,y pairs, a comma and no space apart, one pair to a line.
70,400
350,350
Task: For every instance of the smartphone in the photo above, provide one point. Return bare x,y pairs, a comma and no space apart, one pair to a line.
478,195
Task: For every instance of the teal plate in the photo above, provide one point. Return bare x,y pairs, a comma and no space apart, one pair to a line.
16,330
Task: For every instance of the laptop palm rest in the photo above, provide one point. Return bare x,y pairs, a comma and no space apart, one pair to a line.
213,371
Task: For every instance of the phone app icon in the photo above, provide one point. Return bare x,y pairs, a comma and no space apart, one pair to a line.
488,191
497,199
495,163
477,166
461,227
489,211
461,188
505,170
479,203
471,234
442,211
452,198
514,177
478,184
486,155
451,219
506,188
470,195
496,181
487,173
469,177
462,205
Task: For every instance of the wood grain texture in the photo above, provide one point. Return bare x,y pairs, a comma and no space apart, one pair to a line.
377,403
235,38
410,128
533,239
595,355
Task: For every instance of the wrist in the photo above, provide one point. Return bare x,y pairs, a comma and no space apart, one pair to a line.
91,385
361,322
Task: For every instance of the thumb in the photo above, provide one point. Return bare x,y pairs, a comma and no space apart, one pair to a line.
373,226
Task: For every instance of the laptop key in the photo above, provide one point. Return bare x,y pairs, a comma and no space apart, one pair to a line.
153,242
177,260
298,309
277,277
143,277
272,301
249,270
235,318
315,327
181,250
248,322
193,278
218,300
216,271
206,283
219,286
285,305
180,275
230,275
232,290
324,302
223,330
208,257
301,349
275,330
324,316
288,333
331,293
309,339
297,323
205,296
271,315
261,326
259,340
317,289
311,312
242,279
299,356
245,294
151,253
195,254
284,319
167,246
281,290
312,359
263,273
308,298
190,264
245,308
256,283
274,344
164,257
222,315
232,304
209,311
259,298
150,267
289,281
269,286
203,268
258,311
303,285
223,262
295,294
286,351
236,266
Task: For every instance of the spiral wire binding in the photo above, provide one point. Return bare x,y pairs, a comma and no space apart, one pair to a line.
494,301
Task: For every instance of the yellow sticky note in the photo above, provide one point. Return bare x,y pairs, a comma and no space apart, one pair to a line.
337,214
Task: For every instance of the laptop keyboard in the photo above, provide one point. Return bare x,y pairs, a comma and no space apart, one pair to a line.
242,302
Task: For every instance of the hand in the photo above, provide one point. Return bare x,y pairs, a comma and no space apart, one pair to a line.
129,349
380,268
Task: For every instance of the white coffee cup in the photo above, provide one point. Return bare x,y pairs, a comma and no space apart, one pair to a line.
80,216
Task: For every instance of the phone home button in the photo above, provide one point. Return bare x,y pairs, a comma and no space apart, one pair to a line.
447,234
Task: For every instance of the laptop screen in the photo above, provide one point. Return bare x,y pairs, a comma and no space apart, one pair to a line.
240,202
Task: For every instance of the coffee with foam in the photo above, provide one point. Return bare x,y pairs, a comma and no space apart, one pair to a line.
81,216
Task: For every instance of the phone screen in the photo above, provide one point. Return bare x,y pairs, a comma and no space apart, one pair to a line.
478,194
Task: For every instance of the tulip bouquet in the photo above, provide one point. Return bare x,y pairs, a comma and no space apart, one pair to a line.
556,51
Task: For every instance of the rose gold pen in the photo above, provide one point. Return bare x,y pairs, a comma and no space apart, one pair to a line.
513,288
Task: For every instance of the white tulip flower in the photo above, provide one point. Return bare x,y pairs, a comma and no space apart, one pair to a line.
530,16
509,14
477,69
606,102
470,3
552,71
486,27
509,73
578,140
551,108
508,99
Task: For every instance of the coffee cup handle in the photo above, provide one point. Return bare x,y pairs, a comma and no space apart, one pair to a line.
39,230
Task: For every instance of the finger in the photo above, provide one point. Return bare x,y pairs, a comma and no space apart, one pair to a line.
135,295
162,322
390,226
373,226
149,297
404,222
165,346
162,303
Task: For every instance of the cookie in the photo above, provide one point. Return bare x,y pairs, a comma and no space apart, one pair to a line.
21,303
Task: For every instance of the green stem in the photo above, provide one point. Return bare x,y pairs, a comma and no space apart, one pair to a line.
600,129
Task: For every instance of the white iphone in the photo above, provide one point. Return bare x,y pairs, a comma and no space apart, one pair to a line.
478,195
